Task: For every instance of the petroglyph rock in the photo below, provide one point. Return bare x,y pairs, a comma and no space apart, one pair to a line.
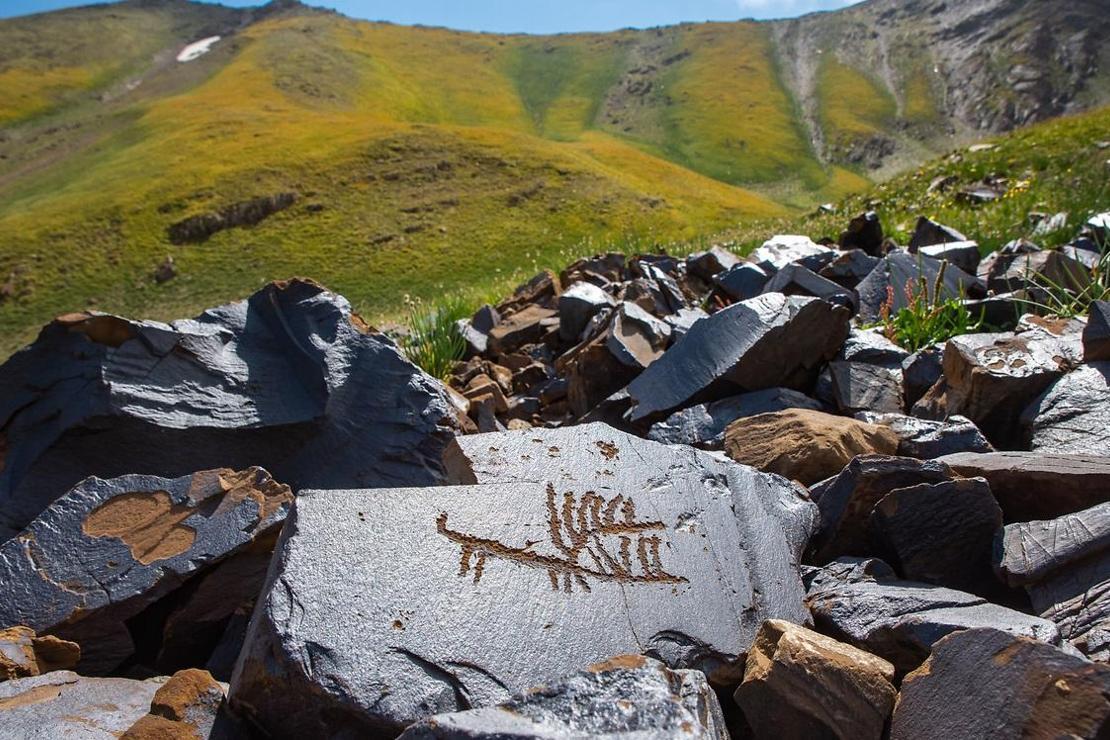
626,552
108,549
289,379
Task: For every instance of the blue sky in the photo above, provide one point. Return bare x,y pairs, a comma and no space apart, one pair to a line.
525,15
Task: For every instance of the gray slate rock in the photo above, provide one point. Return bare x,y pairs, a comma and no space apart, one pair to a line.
766,342
704,425
864,232
710,263
782,250
289,379
864,386
1096,335
1033,485
940,533
847,500
566,574
62,704
927,440
898,269
964,255
928,233
1073,414
636,338
984,683
476,329
797,280
629,696
849,268
742,281
681,321
1064,564
110,548
901,620
920,372
577,305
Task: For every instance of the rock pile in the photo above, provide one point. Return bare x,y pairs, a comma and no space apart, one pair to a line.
706,500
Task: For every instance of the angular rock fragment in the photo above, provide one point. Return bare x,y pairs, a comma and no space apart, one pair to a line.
290,379
849,268
769,341
1096,335
22,654
991,378
704,425
523,327
901,620
801,684
1073,414
742,281
573,573
797,280
1033,485
780,251
862,386
920,372
636,338
1048,270
681,321
542,291
987,683
846,501
807,446
599,269
475,331
927,440
940,533
864,232
710,263
653,701
1064,564
62,704
899,272
964,255
928,232
593,373
577,305
188,705
109,548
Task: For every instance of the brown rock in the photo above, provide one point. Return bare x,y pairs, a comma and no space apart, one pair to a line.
807,446
984,683
541,290
524,326
483,387
190,705
1035,485
594,374
23,654
801,684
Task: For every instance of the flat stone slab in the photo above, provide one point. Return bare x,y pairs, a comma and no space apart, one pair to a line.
704,425
62,704
1036,485
766,342
384,607
627,696
290,379
1073,415
108,549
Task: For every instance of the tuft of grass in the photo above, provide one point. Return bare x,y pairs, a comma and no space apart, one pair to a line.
433,341
1069,297
926,320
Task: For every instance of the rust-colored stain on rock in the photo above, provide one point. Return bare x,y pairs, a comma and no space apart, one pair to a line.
36,695
147,522
111,331
618,662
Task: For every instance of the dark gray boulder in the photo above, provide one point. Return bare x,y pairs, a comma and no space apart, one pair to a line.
940,533
108,549
704,425
985,683
289,379
864,232
380,604
964,255
710,263
797,280
766,342
577,305
928,233
847,500
887,283
1046,270
681,321
867,374
849,268
475,330
1032,485
636,338
901,620
742,281
782,250
1064,565
62,704
920,372
1096,335
926,439
1073,415
627,696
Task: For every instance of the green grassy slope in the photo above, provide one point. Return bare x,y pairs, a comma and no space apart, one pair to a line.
424,160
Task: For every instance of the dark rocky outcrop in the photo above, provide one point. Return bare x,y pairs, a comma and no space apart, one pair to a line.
200,228
290,379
